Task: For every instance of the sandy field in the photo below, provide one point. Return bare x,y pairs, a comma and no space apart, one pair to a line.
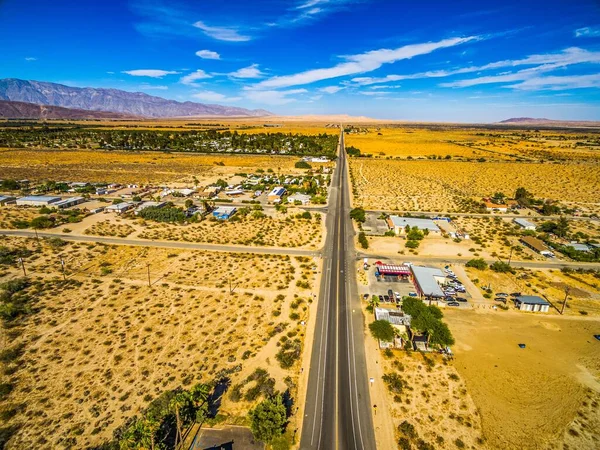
97,348
450,185
133,167
534,398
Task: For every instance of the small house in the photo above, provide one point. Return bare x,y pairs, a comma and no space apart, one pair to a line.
536,245
532,303
400,323
224,212
525,224
119,208
302,198
399,224
276,194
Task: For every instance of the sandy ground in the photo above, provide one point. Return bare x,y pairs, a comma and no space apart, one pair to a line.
528,397
99,348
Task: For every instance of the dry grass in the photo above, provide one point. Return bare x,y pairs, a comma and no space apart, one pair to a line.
433,399
130,167
449,185
100,347
10,213
110,228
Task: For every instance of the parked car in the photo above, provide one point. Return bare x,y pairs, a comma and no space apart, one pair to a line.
412,294
501,299
386,298
460,299
407,264
453,304
366,296
515,294
381,298
390,293
501,294
448,299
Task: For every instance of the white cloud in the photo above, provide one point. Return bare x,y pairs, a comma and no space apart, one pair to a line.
361,63
378,93
331,89
273,97
208,54
191,78
151,87
247,72
558,83
152,73
30,58
211,96
546,62
110,73
316,97
229,34
587,32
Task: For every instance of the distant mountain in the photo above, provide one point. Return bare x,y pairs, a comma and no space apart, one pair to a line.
113,100
21,110
550,122
524,120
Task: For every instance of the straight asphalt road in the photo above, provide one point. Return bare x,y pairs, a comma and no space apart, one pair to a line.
337,412
163,244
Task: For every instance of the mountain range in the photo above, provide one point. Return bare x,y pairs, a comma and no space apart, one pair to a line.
112,100
22,110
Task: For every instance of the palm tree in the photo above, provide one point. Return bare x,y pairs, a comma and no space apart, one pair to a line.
151,426
200,393
177,403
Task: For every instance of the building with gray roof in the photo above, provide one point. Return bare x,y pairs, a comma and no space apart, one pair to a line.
398,224
427,281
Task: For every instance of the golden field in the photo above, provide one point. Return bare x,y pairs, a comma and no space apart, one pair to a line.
131,167
474,143
97,348
446,185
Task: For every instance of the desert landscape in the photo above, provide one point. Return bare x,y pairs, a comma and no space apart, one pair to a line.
92,350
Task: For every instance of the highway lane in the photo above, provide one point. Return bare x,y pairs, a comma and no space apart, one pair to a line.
163,244
337,408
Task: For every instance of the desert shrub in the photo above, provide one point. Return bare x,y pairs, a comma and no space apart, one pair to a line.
289,353
394,382
501,267
477,263
302,165
362,240
407,429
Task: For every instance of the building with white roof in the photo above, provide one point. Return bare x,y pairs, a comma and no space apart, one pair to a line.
427,281
525,224
398,224
302,198
37,200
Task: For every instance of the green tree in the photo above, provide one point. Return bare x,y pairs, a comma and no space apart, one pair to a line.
501,267
178,403
189,203
302,165
268,419
382,330
362,240
358,214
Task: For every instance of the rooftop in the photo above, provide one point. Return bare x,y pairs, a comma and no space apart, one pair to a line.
424,276
524,223
39,198
393,317
534,243
225,210
532,300
421,224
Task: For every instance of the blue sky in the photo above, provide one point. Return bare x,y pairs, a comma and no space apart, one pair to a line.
470,61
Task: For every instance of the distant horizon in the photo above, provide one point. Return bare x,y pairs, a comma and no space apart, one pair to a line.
462,62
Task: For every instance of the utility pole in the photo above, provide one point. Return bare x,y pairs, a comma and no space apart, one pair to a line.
567,290
23,266
36,236
148,267
62,263
510,256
